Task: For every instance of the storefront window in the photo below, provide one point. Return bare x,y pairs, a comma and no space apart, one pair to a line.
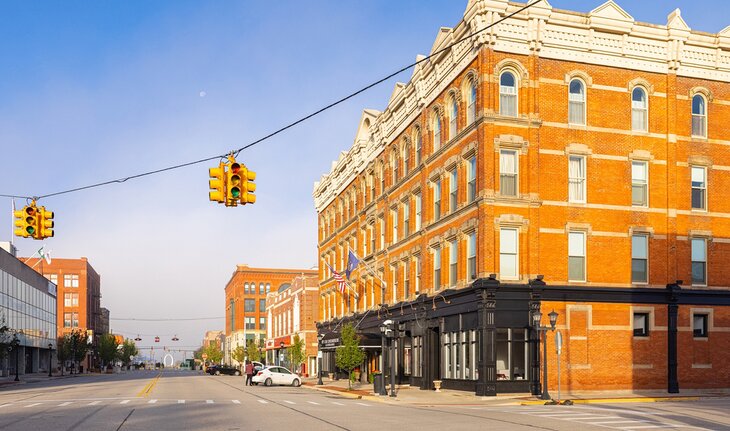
511,354
407,357
417,356
459,355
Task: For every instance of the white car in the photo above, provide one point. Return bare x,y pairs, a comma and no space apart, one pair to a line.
275,375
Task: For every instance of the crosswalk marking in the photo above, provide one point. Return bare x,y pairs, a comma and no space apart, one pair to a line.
312,402
93,403
124,402
263,401
236,402
151,401
337,404
65,404
34,404
289,402
208,401
363,404
181,401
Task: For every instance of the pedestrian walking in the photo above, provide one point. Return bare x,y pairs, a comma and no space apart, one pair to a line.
249,373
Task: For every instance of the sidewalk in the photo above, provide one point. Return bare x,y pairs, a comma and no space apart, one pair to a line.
414,396
36,377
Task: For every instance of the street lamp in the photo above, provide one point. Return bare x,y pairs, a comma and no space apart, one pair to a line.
15,343
50,359
536,318
387,330
320,337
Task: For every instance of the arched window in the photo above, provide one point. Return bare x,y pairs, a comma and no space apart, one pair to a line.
471,102
396,163
639,110
381,174
419,145
453,117
436,131
508,94
406,158
577,103
699,116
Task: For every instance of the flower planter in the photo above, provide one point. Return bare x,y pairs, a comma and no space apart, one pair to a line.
437,385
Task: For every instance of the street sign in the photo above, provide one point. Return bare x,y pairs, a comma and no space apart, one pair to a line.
281,357
558,342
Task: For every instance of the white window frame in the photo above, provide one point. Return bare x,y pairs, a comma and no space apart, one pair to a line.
639,111
437,268
436,194
699,119
577,249
577,102
419,211
453,190
636,182
702,187
453,262
471,185
701,244
394,224
578,179
436,121
471,256
634,255
406,218
504,173
509,252
506,91
453,118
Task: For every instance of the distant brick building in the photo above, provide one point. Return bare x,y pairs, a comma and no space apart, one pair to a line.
558,160
246,304
79,298
292,310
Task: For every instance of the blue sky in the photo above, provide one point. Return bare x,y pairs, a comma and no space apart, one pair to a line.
95,91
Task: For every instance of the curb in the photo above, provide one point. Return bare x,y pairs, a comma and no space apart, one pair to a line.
618,400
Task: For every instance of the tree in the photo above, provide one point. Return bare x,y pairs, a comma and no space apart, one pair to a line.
108,346
349,355
78,345
239,354
128,350
214,353
4,338
252,351
63,351
297,353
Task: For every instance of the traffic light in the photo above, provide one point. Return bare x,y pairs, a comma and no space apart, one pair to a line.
233,183
45,224
217,183
247,197
26,221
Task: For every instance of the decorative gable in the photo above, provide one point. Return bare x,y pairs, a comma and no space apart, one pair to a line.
611,18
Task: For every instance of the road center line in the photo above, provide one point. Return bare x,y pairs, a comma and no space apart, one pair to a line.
312,402
93,403
208,401
31,405
236,402
337,404
263,401
5,405
289,402
181,401
65,404
151,401
124,402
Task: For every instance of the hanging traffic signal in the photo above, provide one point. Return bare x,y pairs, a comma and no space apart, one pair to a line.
26,221
45,224
247,197
233,183
217,183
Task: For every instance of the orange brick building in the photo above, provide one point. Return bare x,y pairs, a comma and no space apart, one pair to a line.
293,310
555,161
246,304
79,299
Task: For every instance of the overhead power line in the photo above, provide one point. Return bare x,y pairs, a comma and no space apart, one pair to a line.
286,127
171,319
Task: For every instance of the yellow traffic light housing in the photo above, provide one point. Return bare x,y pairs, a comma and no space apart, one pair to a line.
247,197
45,224
217,183
233,183
26,221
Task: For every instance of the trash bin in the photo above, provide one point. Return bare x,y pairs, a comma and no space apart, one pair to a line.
378,383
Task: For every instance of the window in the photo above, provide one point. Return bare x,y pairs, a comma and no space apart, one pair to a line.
70,280
261,288
576,256
406,159
419,146
577,102
639,110
699,261
639,184
394,269
453,189
418,212
262,323
471,256
53,278
508,253
268,288
508,94
371,232
406,281
699,188
406,218
262,305
453,117
396,165
71,299
639,259
471,185
394,221
471,102
232,309
71,320
381,174
417,355
508,173
641,324
511,353
453,262
249,305
418,274
699,116
437,268
381,227
577,179
699,325
436,132
437,200
250,323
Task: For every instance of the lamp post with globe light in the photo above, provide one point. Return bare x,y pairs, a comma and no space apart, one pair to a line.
542,331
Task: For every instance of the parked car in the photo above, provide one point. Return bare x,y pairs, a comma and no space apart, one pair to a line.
274,375
224,369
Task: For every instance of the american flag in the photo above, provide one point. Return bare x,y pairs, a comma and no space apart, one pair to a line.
341,282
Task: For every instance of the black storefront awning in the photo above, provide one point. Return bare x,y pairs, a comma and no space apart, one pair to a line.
331,341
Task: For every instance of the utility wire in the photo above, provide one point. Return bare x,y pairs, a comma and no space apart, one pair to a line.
290,125
166,319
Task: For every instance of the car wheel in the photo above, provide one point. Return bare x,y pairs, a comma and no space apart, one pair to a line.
296,383
267,382
236,373
217,373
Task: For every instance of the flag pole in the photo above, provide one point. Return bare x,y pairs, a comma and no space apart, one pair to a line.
370,270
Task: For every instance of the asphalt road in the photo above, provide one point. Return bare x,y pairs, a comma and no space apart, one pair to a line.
183,400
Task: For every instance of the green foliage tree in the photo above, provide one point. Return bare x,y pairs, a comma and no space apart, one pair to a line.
349,355
108,346
238,355
252,351
297,355
78,346
63,351
128,350
198,353
214,353
4,338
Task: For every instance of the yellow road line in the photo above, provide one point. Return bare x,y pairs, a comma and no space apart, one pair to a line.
149,386
619,400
